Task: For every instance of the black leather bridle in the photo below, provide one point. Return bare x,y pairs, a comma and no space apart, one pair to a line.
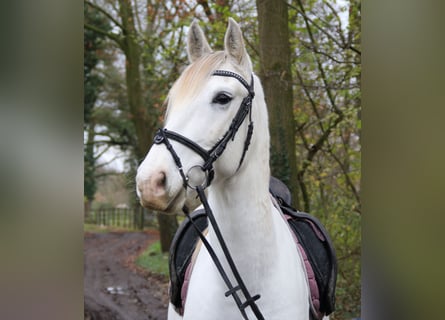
210,156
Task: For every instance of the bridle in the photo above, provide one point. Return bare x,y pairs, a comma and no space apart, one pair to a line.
206,172
210,156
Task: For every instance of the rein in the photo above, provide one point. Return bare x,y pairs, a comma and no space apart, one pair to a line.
209,157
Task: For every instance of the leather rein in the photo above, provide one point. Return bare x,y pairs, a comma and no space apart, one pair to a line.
207,173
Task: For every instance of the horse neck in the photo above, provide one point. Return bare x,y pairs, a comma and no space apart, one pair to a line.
242,205
243,200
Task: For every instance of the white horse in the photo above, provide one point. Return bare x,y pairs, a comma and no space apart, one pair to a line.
201,107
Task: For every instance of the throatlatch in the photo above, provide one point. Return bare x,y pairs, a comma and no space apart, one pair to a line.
209,157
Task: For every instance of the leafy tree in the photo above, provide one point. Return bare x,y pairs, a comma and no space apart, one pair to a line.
93,45
121,15
326,64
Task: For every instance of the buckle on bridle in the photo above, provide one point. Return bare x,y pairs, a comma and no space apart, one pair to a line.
159,137
197,176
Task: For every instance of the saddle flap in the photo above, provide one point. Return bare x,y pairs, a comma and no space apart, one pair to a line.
320,251
181,252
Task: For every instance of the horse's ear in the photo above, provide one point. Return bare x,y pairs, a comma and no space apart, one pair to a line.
197,44
234,45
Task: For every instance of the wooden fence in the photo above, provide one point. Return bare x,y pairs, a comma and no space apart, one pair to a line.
129,218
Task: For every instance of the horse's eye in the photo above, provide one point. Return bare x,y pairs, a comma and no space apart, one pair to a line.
222,98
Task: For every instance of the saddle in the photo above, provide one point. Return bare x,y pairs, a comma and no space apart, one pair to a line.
311,238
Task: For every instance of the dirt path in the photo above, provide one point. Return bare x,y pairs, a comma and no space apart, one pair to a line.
113,287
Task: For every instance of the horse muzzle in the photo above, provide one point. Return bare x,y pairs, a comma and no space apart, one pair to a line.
152,191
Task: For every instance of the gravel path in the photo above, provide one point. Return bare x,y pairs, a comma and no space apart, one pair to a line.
114,288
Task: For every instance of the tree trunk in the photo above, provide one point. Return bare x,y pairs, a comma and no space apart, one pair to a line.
167,228
276,78
89,168
132,50
144,125
87,208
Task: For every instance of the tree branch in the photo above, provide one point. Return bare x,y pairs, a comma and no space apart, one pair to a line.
319,64
310,156
311,101
304,192
355,50
103,164
107,14
251,46
355,252
306,18
104,174
136,14
111,142
207,10
102,152
105,33
316,50
345,173
338,87
337,17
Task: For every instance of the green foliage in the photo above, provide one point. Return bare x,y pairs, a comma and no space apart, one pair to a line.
327,114
154,260
93,45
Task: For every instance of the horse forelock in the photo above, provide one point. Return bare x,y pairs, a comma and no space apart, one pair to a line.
193,78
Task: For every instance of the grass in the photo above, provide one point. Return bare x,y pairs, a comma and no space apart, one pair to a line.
154,260
151,259
91,227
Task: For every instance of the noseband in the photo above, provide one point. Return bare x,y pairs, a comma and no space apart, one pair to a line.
206,172
210,156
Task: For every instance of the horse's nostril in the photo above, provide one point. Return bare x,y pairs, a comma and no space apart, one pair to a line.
161,180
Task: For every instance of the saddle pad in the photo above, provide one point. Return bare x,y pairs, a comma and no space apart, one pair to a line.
318,249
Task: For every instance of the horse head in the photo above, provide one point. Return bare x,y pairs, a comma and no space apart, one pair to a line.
201,107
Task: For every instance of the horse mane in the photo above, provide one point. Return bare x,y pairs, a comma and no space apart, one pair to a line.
189,84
